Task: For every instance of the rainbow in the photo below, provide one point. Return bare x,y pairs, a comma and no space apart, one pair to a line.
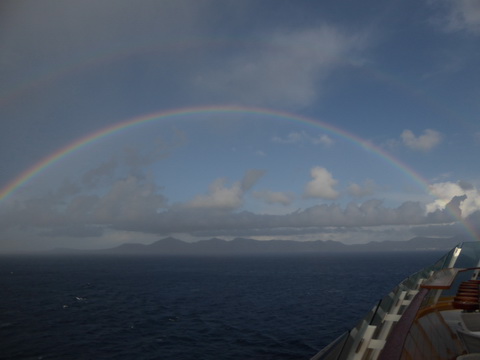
43,164
48,161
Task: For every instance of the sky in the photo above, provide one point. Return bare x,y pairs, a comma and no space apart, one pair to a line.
130,121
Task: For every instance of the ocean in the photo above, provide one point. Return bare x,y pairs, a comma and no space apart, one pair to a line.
258,307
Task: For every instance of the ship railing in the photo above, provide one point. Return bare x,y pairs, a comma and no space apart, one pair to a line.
368,338
334,349
422,332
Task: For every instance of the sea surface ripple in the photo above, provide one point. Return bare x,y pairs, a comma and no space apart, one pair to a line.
259,307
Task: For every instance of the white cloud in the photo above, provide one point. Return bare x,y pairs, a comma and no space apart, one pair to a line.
322,185
292,138
356,190
324,140
221,197
286,70
275,197
300,137
446,191
425,142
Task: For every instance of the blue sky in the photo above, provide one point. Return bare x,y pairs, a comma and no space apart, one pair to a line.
389,88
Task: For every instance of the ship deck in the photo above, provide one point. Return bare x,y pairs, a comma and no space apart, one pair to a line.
433,314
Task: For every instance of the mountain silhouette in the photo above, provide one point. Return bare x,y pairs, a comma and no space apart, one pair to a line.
245,246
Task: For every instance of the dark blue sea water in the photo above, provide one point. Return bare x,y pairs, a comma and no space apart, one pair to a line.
266,307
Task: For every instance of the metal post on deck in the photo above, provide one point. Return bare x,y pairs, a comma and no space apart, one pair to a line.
456,254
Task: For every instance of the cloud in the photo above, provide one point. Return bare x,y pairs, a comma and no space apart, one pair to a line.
67,188
300,137
129,199
105,170
286,70
136,159
465,185
461,15
251,178
91,25
450,229
425,142
221,197
473,221
371,213
324,140
465,195
275,197
291,138
443,192
135,206
358,191
322,185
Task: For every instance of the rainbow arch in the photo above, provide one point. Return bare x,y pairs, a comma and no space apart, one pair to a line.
48,161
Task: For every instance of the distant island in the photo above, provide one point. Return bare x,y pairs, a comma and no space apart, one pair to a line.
245,246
